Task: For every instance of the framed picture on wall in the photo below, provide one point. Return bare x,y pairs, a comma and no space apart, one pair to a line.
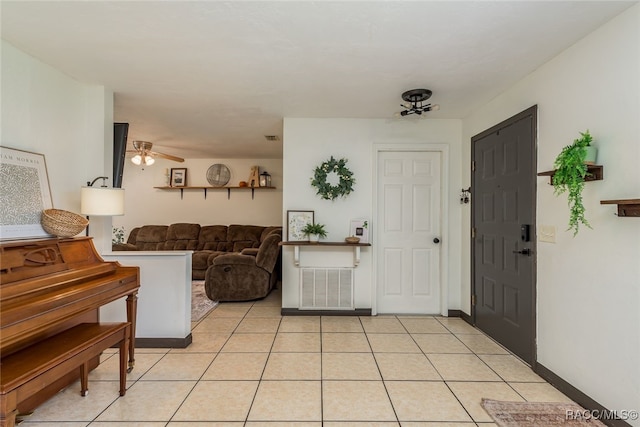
24,194
360,228
296,221
178,177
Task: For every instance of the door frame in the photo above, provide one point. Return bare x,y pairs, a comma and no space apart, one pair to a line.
443,149
531,111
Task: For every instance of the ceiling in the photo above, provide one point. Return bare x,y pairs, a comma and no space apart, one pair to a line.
212,78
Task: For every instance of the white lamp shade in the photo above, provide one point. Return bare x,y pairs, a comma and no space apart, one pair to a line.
101,201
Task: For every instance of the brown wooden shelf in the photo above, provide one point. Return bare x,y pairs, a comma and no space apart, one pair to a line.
306,243
626,207
296,249
205,189
594,173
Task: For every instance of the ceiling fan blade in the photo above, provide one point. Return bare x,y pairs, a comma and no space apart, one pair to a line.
167,156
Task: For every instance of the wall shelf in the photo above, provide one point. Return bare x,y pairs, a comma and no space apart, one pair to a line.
594,173
205,189
626,207
296,249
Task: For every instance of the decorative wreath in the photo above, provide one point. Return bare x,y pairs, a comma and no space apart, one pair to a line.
328,191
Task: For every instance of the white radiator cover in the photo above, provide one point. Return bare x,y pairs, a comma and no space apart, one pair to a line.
326,288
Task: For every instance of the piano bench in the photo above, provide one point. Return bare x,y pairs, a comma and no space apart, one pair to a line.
31,369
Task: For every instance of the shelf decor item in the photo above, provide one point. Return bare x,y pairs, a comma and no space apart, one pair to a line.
360,228
61,223
333,179
265,179
178,177
315,232
569,177
296,222
218,175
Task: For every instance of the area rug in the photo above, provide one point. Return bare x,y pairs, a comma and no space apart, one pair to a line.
201,305
533,414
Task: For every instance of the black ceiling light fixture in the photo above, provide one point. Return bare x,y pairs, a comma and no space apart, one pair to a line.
416,102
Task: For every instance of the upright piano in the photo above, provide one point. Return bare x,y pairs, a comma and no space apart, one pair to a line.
50,285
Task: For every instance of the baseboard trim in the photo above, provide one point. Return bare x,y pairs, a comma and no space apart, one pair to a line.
164,342
576,395
298,312
467,318
461,314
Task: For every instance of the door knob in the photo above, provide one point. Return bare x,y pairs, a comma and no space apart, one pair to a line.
436,240
523,252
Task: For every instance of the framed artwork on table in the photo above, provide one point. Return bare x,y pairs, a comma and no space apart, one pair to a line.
178,177
296,221
360,228
24,194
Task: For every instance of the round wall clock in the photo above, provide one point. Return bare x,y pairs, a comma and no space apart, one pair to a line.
218,175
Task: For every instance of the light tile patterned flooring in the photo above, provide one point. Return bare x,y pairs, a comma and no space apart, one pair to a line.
250,366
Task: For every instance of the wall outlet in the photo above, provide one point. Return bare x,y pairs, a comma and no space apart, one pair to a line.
547,233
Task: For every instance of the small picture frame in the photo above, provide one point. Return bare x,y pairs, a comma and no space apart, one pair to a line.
360,228
178,177
296,221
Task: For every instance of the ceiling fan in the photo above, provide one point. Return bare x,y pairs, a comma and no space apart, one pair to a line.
144,155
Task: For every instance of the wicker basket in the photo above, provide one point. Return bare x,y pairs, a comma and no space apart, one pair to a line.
63,223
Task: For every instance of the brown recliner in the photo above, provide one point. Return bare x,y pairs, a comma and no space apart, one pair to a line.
237,277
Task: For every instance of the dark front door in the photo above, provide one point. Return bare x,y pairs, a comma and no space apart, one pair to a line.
503,234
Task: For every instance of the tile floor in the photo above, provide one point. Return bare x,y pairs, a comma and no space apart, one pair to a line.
250,366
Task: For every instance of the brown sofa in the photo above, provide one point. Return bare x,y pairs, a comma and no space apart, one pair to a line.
207,241
244,276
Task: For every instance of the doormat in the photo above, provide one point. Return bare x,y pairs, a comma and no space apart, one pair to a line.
201,305
534,414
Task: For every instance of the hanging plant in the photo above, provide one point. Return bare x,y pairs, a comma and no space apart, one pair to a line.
569,176
325,189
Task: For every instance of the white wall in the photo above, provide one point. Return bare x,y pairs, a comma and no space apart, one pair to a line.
164,299
146,205
588,286
47,112
308,142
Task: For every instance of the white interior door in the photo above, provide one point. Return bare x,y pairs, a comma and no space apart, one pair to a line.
408,249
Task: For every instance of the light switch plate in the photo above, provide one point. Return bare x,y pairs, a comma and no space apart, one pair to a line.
547,233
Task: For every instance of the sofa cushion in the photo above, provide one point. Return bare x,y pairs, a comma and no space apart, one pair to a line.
133,236
151,237
124,247
199,259
182,236
213,238
213,255
246,236
243,244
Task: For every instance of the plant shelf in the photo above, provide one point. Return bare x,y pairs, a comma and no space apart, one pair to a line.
594,173
626,207
205,189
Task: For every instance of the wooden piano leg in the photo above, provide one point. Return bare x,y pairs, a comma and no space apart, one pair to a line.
124,344
132,312
8,409
84,379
